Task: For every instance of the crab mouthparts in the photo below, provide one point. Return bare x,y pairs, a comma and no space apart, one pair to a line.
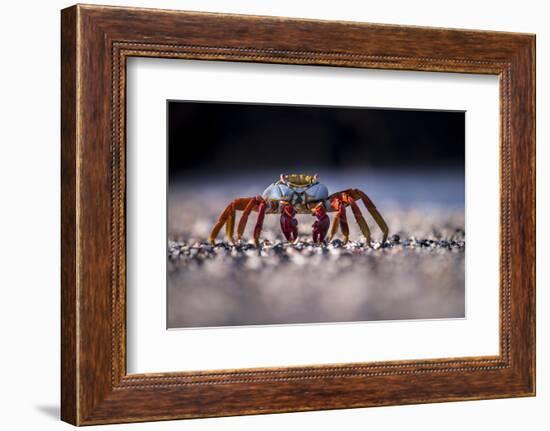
299,180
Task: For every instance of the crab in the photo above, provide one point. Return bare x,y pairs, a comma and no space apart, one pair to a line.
300,194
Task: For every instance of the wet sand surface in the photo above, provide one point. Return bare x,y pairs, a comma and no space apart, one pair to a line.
418,273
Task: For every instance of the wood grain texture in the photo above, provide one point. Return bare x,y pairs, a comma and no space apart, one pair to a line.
96,41
69,366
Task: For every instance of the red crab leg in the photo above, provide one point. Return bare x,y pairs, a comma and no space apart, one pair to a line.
340,206
244,217
289,225
259,223
360,219
373,212
321,225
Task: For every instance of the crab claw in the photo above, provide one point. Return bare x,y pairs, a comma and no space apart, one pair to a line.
321,225
289,224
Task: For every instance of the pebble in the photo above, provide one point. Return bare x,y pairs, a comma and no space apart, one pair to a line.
336,243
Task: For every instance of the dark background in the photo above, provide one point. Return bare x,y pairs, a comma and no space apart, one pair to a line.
205,137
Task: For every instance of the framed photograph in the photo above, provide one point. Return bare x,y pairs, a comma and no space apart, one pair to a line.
263,214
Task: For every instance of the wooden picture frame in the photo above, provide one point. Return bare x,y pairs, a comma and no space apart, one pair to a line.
95,43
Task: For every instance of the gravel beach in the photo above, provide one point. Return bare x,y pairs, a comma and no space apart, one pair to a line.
418,273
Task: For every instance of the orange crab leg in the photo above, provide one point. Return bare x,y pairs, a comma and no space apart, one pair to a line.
373,212
230,223
343,221
334,227
228,216
259,222
244,217
221,221
360,219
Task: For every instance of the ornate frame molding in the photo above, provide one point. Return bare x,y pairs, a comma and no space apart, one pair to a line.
96,41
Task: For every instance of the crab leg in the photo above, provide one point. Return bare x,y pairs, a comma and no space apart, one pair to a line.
230,223
227,217
334,228
244,217
374,212
343,221
221,221
360,219
259,222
